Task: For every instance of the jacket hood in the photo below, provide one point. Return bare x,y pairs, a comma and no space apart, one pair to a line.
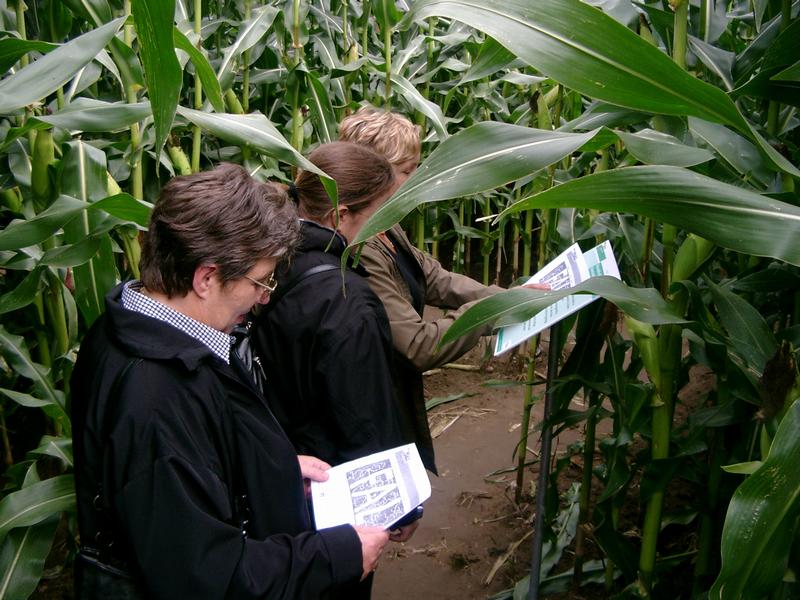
314,236
318,238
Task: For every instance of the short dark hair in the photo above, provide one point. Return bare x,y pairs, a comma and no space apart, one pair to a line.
362,176
222,217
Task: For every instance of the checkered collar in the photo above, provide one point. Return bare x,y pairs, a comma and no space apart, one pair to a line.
217,341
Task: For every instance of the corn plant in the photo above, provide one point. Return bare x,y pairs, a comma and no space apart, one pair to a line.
687,198
669,130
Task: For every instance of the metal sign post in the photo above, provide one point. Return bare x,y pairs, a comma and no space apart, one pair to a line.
544,461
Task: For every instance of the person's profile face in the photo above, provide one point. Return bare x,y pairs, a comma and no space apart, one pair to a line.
229,303
404,170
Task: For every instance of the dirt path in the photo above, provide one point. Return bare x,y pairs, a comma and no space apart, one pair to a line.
470,518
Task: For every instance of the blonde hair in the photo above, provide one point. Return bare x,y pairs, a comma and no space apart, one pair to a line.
389,133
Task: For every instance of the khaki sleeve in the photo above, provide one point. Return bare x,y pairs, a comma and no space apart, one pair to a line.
414,337
447,289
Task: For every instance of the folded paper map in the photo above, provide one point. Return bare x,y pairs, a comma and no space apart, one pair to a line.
567,270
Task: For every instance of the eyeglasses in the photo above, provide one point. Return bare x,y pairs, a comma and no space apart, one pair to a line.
270,285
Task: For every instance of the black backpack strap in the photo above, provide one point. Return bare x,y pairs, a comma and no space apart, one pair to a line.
286,287
242,347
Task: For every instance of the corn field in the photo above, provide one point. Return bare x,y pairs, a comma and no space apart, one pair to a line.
669,128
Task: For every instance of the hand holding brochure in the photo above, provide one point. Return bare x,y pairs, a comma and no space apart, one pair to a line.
567,270
377,490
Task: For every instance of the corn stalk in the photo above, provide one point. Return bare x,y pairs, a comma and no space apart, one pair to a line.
197,135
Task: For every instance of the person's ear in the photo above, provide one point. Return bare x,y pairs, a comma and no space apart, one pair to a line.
204,280
344,214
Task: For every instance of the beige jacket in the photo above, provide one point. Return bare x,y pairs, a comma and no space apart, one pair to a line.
414,337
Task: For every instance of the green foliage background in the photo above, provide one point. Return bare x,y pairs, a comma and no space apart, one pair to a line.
668,128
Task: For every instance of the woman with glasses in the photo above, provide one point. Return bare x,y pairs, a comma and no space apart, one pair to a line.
186,485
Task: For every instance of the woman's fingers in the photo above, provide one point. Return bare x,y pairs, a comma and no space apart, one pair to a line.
313,468
373,540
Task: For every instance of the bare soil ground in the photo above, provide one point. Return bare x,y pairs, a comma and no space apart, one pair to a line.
468,543
471,519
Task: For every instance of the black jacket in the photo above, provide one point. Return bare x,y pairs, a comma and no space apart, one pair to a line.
326,349
170,470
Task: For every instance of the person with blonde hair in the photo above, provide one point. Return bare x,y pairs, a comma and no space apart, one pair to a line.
389,134
407,279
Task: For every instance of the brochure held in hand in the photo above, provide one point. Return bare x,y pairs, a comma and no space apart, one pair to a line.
376,490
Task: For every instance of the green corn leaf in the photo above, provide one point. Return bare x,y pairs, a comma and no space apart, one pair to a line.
386,13
126,208
12,49
57,447
748,332
248,36
153,19
409,91
714,210
36,502
90,115
23,233
491,58
327,18
325,50
94,11
85,175
601,58
745,468
791,73
522,79
321,108
45,75
476,159
775,278
24,399
72,255
15,133
22,558
751,58
24,260
19,163
71,313
520,304
254,131
127,65
22,295
203,68
587,58
757,515
600,114
783,52
739,152
14,350
719,61
57,20
656,148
